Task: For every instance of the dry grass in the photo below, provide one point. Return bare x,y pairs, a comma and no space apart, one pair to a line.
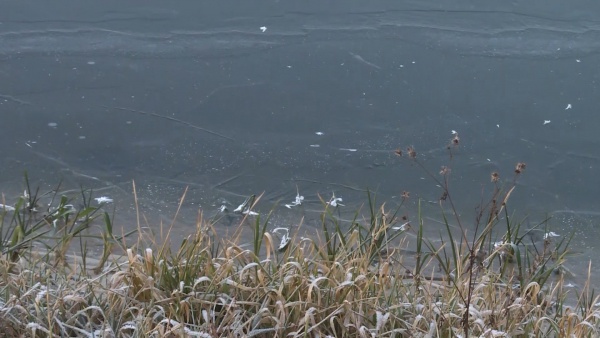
351,281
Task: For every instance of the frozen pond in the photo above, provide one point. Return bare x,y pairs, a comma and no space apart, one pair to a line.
280,97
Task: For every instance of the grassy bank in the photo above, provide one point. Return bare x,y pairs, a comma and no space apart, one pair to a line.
361,280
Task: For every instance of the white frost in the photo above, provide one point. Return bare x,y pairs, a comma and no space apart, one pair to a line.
298,201
551,234
546,122
103,199
263,29
403,227
335,201
6,207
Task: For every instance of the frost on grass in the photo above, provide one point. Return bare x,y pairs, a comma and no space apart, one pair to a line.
551,234
103,199
402,227
353,284
285,238
298,201
6,207
244,208
335,201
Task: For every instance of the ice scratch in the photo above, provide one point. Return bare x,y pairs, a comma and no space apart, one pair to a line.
360,59
13,99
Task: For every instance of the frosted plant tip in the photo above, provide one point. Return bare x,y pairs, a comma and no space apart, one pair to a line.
546,122
263,29
285,240
6,207
298,201
551,234
335,201
569,106
103,199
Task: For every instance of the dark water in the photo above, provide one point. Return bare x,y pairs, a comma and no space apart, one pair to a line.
198,95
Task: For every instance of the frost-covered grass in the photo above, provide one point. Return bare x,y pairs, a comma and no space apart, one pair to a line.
358,280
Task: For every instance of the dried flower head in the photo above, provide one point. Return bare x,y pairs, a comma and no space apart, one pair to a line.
398,152
520,167
411,152
405,195
495,177
444,171
454,141
444,196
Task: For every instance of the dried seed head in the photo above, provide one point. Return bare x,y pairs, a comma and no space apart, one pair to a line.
444,171
520,167
398,152
405,195
411,152
455,140
444,196
495,177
